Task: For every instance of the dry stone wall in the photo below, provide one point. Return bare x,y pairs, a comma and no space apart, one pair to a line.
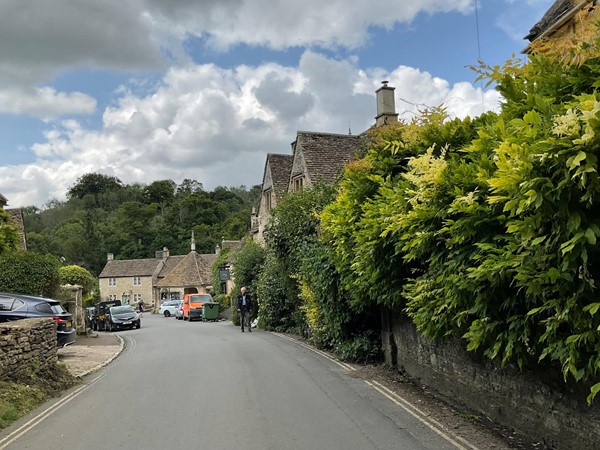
26,343
536,403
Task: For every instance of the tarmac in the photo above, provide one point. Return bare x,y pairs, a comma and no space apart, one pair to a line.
90,353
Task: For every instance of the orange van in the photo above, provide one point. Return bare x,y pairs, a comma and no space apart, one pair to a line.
192,305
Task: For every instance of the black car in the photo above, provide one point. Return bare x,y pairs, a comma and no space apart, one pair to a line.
122,317
99,318
17,306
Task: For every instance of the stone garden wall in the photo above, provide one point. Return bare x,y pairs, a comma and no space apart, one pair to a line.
536,403
26,343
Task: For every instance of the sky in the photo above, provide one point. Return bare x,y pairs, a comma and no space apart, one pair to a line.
148,90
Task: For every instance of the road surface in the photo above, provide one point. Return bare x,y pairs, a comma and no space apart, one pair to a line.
180,385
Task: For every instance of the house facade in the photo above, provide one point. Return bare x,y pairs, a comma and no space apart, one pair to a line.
154,280
316,158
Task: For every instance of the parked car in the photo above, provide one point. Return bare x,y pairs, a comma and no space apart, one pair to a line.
179,312
122,317
99,319
89,314
169,307
192,305
16,307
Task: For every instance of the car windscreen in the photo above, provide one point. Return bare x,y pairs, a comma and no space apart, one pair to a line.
121,309
200,298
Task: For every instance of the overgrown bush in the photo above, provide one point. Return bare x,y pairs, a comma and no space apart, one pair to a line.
488,229
29,273
247,264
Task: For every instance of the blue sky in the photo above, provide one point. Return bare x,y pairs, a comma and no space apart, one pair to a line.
204,89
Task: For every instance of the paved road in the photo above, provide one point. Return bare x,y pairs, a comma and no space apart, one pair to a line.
181,385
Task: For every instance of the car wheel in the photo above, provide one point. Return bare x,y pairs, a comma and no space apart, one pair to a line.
138,325
110,326
167,313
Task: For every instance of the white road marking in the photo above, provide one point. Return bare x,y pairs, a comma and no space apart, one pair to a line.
433,424
41,416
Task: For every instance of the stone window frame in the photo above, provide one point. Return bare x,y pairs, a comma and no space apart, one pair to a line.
112,281
268,199
137,281
297,183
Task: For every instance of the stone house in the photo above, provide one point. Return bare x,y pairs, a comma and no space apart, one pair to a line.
154,280
565,19
316,157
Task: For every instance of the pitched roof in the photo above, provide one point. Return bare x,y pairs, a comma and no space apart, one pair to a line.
192,270
325,153
281,166
130,268
556,12
231,245
169,265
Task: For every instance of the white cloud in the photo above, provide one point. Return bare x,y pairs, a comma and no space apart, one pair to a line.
45,102
216,125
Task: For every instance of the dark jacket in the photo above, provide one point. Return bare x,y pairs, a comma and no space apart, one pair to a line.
248,302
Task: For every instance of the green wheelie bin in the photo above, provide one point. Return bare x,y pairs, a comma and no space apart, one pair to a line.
210,311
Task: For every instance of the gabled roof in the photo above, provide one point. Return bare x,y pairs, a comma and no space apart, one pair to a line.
280,165
130,268
169,265
325,153
192,270
230,245
556,12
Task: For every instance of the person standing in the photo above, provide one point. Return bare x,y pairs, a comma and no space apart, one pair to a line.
141,307
244,307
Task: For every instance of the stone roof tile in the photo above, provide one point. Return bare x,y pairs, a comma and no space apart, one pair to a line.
130,268
325,154
192,270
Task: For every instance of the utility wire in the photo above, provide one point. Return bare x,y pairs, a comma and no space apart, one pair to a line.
479,51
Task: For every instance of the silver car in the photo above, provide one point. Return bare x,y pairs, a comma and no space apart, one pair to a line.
169,308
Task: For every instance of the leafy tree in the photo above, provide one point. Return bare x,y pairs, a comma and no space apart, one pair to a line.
93,184
247,264
161,192
9,236
29,273
188,187
76,275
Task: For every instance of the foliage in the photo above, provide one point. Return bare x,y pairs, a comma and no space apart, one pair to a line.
80,276
487,229
29,273
277,292
103,216
220,262
93,184
9,237
247,263
24,392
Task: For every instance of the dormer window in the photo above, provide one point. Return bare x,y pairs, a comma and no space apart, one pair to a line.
297,183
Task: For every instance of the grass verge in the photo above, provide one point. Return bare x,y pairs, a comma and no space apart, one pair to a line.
24,392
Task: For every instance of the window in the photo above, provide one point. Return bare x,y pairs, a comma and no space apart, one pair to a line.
268,200
112,297
137,297
112,281
137,281
297,184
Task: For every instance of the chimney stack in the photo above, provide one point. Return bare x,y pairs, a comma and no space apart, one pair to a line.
110,256
193,246
386,105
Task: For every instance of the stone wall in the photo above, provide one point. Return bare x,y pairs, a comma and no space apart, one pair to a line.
536,403
24,343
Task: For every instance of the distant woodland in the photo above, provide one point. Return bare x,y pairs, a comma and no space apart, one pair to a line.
102,215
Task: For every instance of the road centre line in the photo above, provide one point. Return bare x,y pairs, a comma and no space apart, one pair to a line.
431,423
41,416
